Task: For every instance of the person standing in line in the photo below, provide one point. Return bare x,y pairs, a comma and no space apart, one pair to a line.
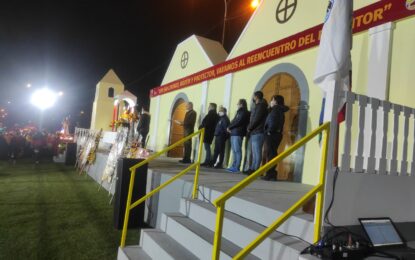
256,130
209,123
237,130
188,125
273,129
221,135
143,126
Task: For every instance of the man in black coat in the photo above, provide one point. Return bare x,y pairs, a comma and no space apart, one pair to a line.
273,129
256,129
143,126
209,123
221,135
188,126
237,129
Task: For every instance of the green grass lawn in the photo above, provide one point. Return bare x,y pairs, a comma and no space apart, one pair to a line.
51,212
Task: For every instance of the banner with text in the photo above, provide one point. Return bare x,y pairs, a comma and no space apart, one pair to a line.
363,19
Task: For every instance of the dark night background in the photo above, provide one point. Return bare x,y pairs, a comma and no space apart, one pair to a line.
69,46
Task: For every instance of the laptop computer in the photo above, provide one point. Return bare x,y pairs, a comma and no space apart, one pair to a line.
385,238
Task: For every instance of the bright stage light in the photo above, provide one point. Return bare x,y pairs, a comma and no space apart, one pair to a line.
43,98
254,4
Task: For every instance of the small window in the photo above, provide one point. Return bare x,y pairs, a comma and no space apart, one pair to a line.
111,92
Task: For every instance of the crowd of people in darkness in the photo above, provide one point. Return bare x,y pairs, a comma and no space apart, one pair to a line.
18,143
262,127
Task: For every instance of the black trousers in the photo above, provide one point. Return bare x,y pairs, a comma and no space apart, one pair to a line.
143,139
187,147
272,142
220,144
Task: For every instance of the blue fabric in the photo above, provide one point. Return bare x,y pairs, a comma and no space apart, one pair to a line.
257,141
236,145
208,152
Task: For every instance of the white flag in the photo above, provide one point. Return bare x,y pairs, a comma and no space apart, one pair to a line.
334,61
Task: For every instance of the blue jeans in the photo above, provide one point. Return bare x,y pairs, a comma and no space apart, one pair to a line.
236,145
257,140
208,152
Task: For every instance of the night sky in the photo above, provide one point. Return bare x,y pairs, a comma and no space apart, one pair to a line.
70,45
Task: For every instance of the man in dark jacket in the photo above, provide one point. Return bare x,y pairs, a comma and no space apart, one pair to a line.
221,135
273,129
237,129
143,126
188,125
256,129
209,123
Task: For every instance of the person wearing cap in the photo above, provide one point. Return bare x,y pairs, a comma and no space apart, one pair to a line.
221,135
273,130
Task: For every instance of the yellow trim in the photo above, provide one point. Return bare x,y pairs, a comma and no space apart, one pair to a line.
133,169
318,189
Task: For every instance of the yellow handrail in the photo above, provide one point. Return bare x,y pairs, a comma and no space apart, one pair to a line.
129,206
318,189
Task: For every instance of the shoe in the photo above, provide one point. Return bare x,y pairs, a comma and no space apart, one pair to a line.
269,177
218,166
248,172
185,161
232,169
205,164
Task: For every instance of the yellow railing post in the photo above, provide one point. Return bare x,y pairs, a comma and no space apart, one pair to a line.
317,190
199,157
127,209
218,231
320,195
133,169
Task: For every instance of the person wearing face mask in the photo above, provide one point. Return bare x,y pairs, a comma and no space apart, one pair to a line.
209,123
221,135
188,125
273,129
237,130
256,130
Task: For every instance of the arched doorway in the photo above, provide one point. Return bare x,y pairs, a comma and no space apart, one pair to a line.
176,131
286,85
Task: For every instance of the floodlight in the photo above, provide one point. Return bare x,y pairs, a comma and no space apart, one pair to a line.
43,98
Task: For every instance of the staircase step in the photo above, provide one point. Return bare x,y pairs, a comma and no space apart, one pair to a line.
276,246
197,238
132,253
159,245
300,224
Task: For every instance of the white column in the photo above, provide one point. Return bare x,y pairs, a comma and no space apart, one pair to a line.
153,138
380,41
204,97
227,104
228,91
202,113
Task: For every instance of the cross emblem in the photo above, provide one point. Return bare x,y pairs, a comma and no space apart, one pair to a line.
285,10
184,60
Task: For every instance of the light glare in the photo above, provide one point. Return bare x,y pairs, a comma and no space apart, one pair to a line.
254,4
43,98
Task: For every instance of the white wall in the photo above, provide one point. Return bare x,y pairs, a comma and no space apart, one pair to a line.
372,195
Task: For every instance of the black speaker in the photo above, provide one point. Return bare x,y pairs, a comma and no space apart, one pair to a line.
70,156
136,219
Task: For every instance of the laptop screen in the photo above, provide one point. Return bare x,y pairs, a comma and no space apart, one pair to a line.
381,232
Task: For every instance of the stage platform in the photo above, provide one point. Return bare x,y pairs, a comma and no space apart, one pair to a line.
278,195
